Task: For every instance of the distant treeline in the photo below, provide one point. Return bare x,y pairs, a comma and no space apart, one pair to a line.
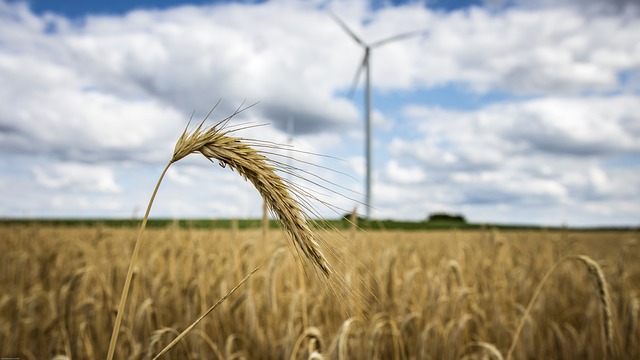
432,223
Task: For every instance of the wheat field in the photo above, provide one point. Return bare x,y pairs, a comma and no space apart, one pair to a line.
401,294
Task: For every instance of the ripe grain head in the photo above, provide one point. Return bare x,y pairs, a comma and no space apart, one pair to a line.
604,298
217,143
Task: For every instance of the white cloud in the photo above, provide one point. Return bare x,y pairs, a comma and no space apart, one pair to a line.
88,126
77,177
561,126
544,153
404,175
542,51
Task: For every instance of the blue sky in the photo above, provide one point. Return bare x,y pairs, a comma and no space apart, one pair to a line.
504,111
77,9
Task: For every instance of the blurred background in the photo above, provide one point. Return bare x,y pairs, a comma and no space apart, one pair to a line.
521,112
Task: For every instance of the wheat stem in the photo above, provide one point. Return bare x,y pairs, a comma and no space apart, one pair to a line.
134,257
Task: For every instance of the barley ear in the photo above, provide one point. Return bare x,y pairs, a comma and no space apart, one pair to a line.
216,143
605,300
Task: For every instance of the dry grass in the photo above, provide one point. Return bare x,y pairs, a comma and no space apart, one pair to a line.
60,287
602,294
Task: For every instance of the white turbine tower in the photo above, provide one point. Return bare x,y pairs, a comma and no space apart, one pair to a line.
366,65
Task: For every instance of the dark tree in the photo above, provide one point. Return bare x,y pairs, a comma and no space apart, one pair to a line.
444,217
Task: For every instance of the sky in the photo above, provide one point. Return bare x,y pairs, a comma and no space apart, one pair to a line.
503,111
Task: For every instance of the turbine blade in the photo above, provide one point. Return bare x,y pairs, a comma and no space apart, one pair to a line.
399,37
346,28
356,79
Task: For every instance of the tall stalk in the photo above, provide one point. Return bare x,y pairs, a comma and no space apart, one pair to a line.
134,257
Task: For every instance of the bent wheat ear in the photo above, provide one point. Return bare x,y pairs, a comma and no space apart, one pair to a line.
603,296
216,143
595,271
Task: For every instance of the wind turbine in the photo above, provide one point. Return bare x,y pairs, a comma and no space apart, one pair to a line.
366,65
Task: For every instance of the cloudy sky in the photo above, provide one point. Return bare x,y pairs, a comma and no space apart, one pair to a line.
504,111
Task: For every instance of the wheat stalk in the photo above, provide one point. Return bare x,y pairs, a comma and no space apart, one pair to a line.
630,328
216,143
457,273
605,299
343,339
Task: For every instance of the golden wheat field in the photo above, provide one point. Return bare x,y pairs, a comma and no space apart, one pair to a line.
398,295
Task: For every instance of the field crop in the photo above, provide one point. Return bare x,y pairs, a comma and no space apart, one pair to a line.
401,294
